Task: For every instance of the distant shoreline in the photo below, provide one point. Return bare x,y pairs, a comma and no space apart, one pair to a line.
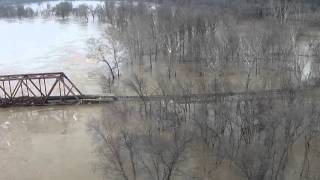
15,2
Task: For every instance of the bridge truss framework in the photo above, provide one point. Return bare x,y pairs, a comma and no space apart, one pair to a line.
37,89
57,89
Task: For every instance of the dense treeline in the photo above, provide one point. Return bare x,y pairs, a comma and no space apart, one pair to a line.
16,11
63,9
258,8
263,48
182,48
249,139
10,2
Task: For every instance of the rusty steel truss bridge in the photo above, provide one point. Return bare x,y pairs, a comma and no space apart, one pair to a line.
44,89
39,90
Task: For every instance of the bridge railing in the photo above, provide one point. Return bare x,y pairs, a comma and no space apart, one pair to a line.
37,89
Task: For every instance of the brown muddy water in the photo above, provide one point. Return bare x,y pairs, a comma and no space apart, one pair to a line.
48,143
52,44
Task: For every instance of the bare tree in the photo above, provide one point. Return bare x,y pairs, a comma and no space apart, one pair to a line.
82,11
101,50
92,11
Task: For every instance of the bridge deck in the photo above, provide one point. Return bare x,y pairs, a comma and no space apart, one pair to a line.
56,89
36,89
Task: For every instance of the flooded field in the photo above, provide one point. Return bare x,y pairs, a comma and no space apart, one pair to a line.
172,52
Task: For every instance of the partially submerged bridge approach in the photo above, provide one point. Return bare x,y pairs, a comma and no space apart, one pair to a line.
57,89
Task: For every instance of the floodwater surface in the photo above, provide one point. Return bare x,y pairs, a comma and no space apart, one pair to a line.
50,143
36,45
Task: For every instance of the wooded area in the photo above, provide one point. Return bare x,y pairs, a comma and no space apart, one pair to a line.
183,47
176,48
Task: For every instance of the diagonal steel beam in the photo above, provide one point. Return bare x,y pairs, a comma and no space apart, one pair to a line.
39,90
64,76
52,88
24,85
16,89
70,90
28,88
4,91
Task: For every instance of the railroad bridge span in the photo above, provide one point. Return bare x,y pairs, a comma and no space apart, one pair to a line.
44,89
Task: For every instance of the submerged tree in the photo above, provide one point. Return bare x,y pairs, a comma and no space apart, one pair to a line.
108,51
63,9
83,11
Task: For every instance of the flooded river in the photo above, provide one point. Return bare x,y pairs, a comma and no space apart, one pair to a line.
53,143
50,45
49,143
